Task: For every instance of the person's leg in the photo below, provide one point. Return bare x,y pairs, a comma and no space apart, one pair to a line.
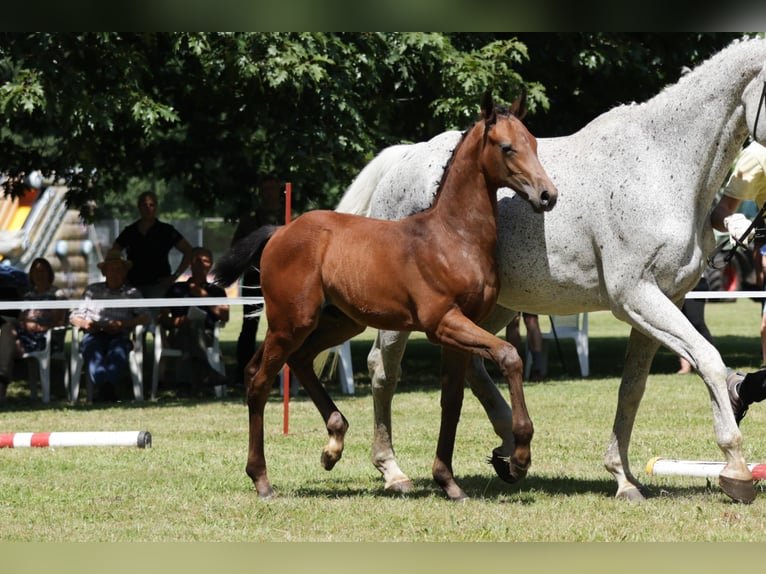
763,336
535,346
7,352
513,332
246,340
745,390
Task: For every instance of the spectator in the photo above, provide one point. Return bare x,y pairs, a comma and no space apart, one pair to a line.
534,343
147,244
270,211
747,181
106,343
34,323
191,328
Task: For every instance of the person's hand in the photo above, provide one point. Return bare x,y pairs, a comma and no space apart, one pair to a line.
737,224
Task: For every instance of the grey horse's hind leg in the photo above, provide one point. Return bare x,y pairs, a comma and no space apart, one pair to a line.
497,408
384,363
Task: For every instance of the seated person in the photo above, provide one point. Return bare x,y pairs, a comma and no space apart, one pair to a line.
34,323
191,328
13,284
106,343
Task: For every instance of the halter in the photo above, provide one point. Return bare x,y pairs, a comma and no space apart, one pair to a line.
761,101
739,241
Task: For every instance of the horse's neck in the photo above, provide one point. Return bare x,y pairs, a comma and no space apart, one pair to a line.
700,120
465,203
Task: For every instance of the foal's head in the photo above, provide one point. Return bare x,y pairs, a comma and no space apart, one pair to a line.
509,155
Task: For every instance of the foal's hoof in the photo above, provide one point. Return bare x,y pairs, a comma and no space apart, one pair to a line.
336,429
738,490
505,468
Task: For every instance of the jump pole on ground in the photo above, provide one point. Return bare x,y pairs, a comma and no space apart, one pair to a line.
286,369
140,439
699,468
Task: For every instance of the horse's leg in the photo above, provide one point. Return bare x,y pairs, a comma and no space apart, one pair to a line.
333,329
384,363
453,366
664,322
497,408
457,331
638,360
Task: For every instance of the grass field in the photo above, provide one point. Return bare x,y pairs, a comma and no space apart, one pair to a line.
191,485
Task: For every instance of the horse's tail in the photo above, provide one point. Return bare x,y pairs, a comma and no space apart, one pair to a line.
358,197
244,253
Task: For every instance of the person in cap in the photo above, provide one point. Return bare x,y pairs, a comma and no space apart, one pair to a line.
106,343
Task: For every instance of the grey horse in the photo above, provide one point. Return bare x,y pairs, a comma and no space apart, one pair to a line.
630,234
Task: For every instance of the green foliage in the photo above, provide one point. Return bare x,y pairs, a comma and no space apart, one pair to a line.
202,115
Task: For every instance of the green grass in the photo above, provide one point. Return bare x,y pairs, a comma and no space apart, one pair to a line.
191,485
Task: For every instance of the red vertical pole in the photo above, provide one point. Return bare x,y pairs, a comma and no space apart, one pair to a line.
286,369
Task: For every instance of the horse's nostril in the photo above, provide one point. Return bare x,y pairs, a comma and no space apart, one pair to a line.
545,197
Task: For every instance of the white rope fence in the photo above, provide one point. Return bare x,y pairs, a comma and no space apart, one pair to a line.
129,303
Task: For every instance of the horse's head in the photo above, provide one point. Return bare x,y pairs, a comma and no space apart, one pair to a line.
510,155
754,100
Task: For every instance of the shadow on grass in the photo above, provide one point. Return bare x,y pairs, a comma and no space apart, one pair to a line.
489,487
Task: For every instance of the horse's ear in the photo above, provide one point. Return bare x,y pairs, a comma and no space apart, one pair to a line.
519,107
487,106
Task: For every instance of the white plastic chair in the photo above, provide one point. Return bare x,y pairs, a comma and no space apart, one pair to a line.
345,373
566,327
43,359
162,349
135,364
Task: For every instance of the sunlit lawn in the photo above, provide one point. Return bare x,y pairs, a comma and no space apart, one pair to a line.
191,485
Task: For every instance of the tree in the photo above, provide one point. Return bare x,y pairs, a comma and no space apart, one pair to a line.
202,115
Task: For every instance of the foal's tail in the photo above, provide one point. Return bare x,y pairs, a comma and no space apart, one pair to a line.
244,253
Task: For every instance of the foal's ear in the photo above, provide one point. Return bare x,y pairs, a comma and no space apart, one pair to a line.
488,107
519,107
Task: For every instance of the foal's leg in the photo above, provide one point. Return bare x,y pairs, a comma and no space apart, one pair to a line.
457,331
453,366
261,370
333,329
384,363
497,408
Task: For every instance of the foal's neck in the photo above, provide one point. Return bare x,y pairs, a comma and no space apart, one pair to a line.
466,203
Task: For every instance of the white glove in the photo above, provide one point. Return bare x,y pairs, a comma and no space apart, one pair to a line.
736,224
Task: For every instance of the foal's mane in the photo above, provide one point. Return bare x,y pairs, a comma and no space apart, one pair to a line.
500,110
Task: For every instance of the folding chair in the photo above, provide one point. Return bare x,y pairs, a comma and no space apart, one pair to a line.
54,350
162,349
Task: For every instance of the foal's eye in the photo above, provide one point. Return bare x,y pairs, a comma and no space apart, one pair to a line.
506,148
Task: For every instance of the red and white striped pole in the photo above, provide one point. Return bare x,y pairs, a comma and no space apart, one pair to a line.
286,370
140,439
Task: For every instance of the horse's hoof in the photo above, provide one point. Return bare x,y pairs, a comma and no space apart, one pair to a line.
402,486
505,468
265,492
631,494
738,490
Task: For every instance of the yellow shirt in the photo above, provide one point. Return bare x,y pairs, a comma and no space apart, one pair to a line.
748,180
